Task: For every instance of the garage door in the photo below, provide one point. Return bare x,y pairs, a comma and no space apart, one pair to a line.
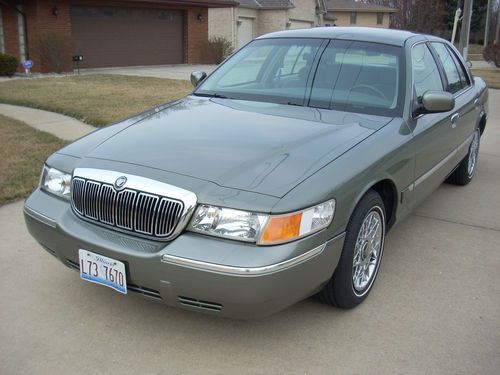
125,36
245,31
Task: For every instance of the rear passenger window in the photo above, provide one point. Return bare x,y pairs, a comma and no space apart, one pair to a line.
450,67
425,71
464,77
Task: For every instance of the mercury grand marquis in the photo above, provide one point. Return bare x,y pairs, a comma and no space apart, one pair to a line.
276,179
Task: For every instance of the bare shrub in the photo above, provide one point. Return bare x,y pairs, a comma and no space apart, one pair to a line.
492,54
217,49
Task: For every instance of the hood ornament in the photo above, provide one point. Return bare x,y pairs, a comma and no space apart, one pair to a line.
120,182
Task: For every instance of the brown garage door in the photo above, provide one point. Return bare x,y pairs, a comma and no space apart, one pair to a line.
108,36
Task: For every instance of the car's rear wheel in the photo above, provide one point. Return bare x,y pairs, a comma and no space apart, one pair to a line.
467,167
361,255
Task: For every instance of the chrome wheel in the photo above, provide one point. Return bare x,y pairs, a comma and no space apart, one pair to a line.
368,250
473,152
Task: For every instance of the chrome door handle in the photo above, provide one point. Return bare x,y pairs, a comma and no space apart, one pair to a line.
476,103
454,120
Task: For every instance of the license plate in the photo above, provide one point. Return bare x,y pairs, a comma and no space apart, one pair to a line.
103,270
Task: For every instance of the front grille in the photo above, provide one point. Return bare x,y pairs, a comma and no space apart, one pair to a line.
128,210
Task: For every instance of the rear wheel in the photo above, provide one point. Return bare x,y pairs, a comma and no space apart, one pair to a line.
361,255
467,167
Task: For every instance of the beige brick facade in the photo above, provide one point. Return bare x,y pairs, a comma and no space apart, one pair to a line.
227,22
365,19
224,22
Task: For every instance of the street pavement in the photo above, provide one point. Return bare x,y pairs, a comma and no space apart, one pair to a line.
435,308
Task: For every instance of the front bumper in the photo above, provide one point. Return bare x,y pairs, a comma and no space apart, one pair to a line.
195,272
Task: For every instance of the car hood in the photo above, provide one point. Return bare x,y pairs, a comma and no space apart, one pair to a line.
258,147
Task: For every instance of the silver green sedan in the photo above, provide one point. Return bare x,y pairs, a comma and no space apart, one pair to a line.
276,179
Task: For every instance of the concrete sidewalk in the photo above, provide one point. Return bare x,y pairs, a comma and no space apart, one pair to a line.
64,127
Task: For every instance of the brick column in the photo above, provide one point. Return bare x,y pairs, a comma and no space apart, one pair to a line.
196,34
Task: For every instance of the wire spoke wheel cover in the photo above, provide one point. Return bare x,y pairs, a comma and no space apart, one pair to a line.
368,251
473,153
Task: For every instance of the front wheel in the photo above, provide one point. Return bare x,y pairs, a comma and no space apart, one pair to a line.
465,171
361,255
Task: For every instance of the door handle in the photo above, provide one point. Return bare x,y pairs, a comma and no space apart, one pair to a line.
454,120
476,103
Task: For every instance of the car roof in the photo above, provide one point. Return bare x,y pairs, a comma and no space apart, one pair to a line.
367,34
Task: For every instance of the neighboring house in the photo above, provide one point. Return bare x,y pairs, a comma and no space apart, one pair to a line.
106,32
358,13
252,18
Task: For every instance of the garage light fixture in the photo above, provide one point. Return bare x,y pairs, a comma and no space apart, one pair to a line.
199,17
55,11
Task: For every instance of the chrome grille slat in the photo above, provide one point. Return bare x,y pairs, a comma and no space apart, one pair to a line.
129,210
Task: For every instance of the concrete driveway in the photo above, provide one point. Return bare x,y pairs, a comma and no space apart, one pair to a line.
179,71
434,309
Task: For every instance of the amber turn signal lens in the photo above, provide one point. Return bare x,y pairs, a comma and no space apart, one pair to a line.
282,228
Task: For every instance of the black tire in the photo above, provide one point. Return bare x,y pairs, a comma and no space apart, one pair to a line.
340,290
462,175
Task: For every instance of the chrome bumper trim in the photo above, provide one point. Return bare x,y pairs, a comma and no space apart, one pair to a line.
40,217
246,271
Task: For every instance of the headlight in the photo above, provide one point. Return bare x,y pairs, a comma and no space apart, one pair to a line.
260,228
226,222
56,182
289,227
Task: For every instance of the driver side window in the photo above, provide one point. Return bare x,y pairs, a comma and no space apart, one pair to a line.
424,70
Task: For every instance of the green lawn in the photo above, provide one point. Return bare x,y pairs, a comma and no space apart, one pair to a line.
94,99
23,151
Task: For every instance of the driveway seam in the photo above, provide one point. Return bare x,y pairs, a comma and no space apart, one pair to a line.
456,222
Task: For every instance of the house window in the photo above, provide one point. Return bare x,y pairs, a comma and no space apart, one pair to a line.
354,15
2,38
22,36
380,18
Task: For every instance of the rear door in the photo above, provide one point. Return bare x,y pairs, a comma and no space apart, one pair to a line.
459,84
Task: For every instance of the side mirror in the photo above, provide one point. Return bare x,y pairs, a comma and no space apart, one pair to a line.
435,102
197,78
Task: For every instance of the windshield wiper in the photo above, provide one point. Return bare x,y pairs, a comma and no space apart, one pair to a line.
211,95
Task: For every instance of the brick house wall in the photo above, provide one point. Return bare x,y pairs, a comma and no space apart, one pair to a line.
271,20
305,10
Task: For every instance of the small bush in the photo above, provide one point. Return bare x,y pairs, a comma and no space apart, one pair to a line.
492,54
217,49
8,65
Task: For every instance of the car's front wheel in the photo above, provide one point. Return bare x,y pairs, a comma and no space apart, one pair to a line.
361,255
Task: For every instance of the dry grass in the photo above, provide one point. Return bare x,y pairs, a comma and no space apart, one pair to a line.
490,75
23,151
95,99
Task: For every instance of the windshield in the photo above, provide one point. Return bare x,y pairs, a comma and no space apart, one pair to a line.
343,75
